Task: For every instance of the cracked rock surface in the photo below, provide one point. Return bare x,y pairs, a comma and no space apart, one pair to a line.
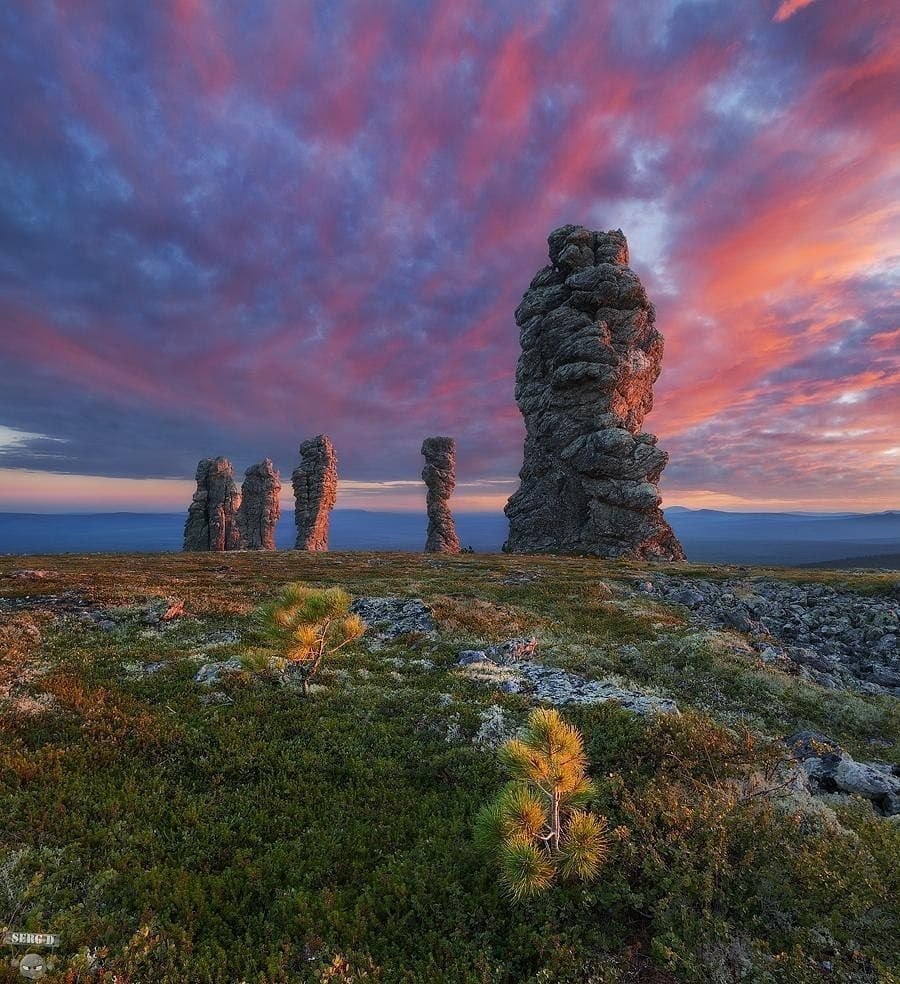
212,515
831,770
439,475
315,482
498,667
390,618
260,506
584,382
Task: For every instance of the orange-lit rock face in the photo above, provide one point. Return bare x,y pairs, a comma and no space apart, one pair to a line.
212,516
584,382
315,491
260,506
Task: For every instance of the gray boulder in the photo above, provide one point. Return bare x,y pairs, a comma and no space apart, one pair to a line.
832,770
211,673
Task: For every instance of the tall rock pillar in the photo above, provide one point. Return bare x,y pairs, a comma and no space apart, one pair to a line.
439,474
260,506
212,516
315,490
584,381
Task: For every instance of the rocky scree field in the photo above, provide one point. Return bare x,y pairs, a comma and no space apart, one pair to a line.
177,811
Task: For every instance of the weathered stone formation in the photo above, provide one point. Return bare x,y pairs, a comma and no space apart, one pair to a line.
212,515
315,490
439,474
584,381
260,507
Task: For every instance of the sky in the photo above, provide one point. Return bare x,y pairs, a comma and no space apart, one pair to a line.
225,228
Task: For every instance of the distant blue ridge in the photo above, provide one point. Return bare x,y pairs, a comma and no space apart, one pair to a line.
707,534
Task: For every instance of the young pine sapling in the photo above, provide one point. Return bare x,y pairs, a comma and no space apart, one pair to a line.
307,624
537,826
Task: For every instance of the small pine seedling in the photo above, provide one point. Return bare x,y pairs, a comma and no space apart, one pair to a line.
537,826
307,624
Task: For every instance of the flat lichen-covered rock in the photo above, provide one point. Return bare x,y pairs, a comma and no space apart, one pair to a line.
584,382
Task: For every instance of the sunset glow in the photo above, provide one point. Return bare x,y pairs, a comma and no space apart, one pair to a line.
225,230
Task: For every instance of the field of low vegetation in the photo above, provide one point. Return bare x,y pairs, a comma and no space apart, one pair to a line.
240,829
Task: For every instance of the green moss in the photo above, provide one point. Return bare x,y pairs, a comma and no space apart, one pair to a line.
277,838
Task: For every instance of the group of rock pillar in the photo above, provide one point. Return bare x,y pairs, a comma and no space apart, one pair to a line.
224,517
590,355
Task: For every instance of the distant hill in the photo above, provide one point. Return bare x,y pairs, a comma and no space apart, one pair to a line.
784,538
708,535
881,562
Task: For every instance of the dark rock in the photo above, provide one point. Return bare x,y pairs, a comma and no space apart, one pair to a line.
512,651
807,744
390,618
688,597
315,492
737,618
211,522
835,636
469,656
439,475
831,770
584,381
260,506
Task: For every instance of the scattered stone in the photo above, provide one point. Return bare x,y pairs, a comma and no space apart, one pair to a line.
554,685
214,698
468,656
502,654
29,574
155,612
494,729
390,618
260,506
143,669
211,522
561,687
831,770
832,636
439,475
65,603
315,491
211,673
215,640
584,382
513,650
